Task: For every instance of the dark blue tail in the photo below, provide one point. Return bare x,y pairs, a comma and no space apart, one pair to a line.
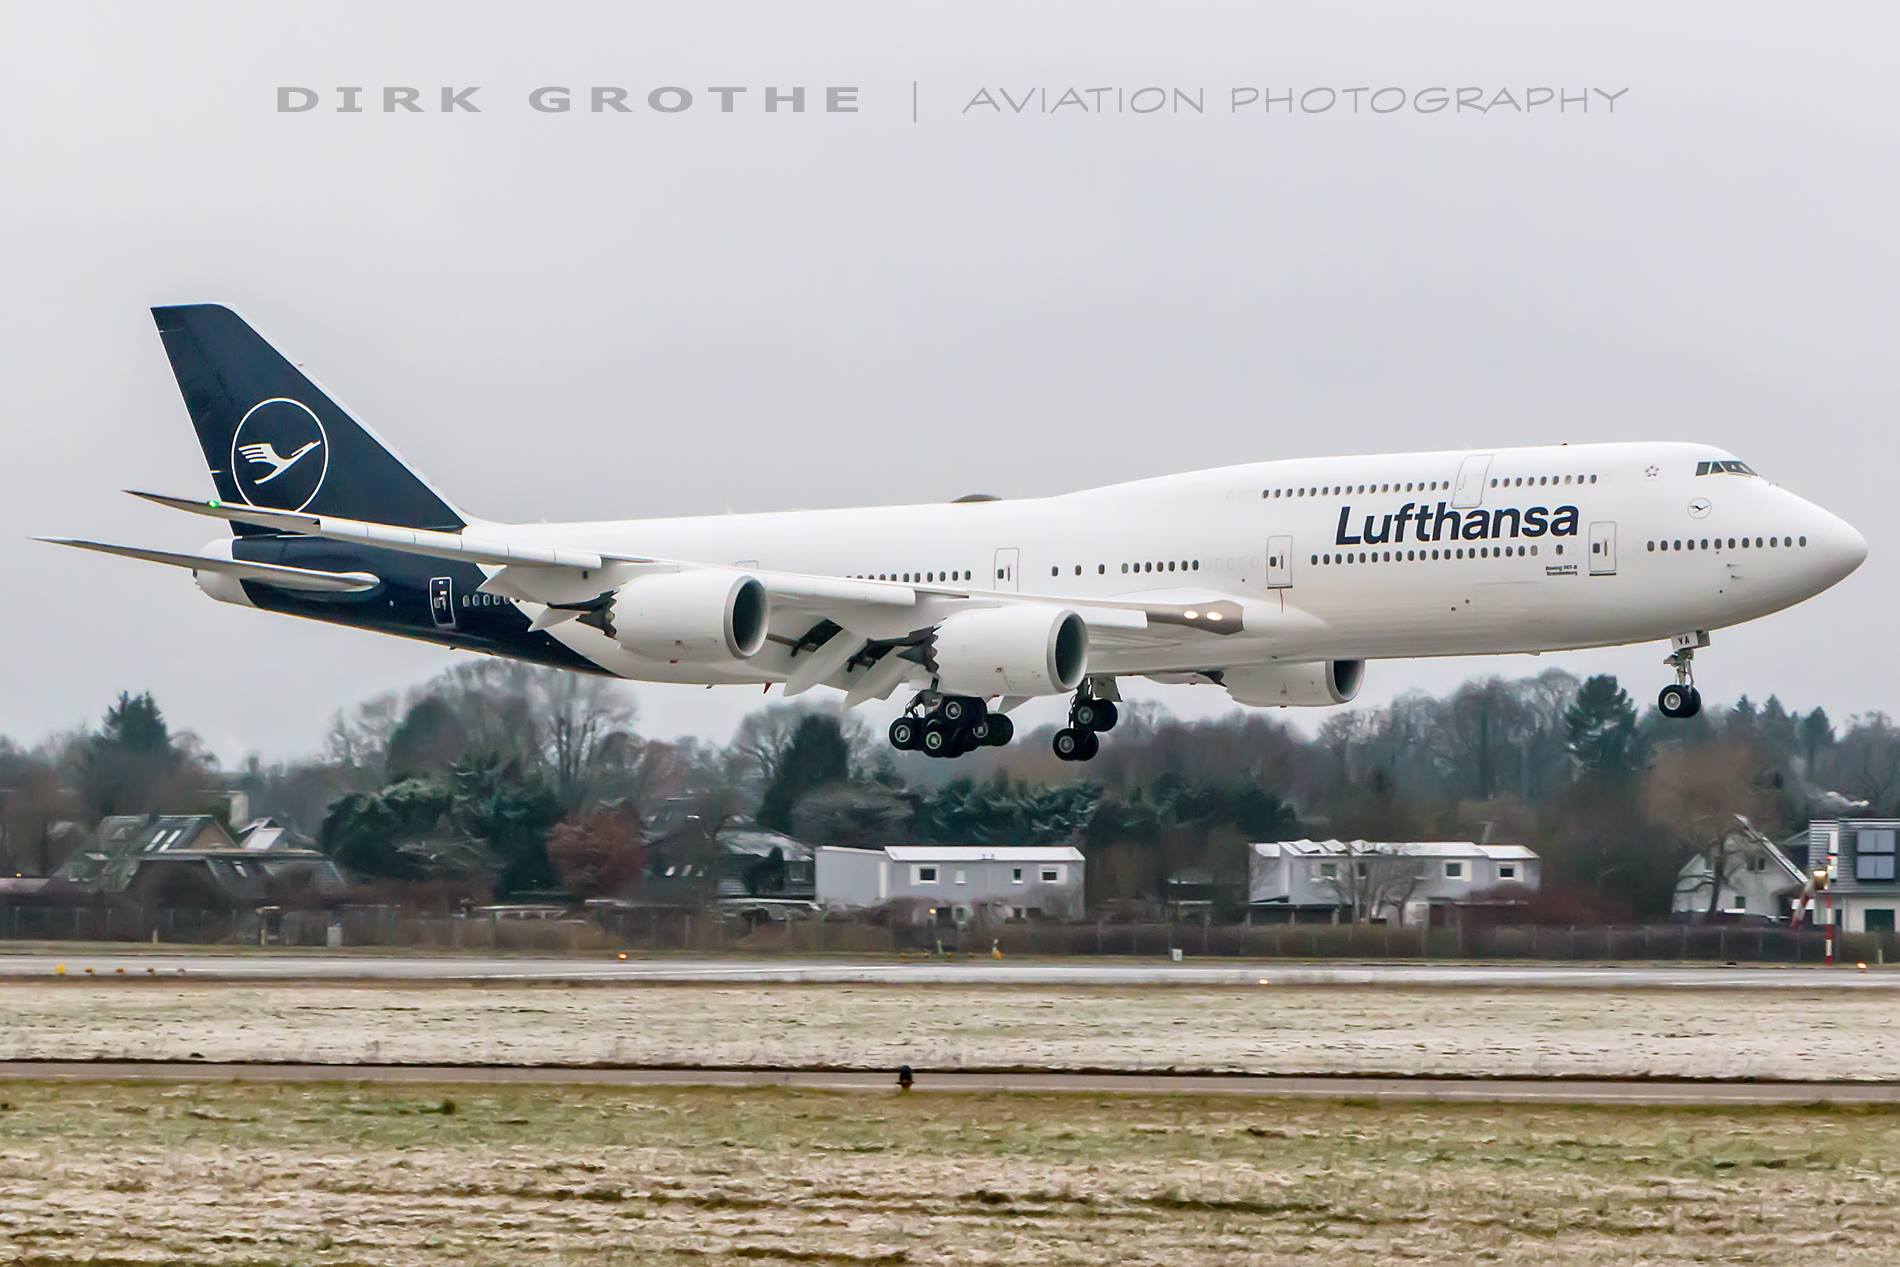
275,440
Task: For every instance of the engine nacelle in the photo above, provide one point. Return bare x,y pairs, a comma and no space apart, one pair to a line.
1315,683
1016,650
706,614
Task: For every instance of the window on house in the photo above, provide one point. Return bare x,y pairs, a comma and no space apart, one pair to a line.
926,875
1507,871
1329,871
1015,875
1874,853
962,878
1741,903
1051,875
1454,870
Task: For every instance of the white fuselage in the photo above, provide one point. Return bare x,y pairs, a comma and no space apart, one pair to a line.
1519,550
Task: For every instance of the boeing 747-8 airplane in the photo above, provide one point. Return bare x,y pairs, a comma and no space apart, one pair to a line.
1277,581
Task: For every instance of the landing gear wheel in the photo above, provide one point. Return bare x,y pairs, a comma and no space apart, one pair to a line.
1679,700
1090,746
904,734
1000,730
938,739
962,710
1097,715
1068,743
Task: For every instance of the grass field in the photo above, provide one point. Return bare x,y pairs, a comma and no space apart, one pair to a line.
334,1174
1265,1029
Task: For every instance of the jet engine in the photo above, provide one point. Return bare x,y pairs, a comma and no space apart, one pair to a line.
706,614
1017,650
1315,683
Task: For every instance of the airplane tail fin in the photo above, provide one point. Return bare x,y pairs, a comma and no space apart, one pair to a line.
276,440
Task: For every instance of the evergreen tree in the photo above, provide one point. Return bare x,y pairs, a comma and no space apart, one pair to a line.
1600,727
1817,735
133,765
818,754
135,725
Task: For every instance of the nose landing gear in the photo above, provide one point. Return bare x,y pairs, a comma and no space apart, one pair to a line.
1682,699
950,726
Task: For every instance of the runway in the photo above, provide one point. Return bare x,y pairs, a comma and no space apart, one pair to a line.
318,966
1553,1091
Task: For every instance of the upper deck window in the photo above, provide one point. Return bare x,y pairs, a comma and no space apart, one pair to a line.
1727,466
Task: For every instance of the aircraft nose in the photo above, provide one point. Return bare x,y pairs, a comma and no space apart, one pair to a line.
1843,548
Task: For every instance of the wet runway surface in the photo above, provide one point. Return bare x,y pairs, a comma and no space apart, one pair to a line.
1430,1090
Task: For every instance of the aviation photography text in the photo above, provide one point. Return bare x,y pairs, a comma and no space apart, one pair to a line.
981,100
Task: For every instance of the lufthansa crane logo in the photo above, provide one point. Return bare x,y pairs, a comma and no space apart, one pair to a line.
279,455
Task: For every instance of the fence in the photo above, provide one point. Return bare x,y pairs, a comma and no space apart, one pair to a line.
661,930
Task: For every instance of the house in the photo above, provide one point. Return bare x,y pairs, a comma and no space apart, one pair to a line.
124,840
738,860
1863,887
191,860
1381,881
951,884
1757,878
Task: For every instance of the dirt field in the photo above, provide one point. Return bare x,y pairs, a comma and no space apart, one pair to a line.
1331,1030
337,1174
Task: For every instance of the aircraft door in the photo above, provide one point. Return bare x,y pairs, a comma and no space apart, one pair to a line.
1008,563
1469,491
1279,562
442,601
1603,548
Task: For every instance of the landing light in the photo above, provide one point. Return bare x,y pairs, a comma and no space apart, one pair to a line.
1191,614
1213,615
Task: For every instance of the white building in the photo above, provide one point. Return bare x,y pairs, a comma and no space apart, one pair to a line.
1385,881
1757,878
948,883
1864,889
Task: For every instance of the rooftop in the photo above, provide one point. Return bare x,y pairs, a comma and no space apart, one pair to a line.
1403,848
972,853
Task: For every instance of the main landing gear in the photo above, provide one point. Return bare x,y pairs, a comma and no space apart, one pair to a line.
950,727
1682,699
1088,718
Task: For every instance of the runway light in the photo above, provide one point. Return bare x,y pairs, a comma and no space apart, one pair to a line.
59,969
621,955
1862,966
88,971
1264,981
118,972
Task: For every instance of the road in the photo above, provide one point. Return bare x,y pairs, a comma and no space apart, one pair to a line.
317,966
1431,1090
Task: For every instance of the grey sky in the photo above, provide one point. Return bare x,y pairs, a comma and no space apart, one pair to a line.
615,316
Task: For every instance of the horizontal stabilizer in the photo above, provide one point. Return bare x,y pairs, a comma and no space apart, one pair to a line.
267,573
441,545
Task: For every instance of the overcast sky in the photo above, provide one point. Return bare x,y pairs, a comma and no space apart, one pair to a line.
593,316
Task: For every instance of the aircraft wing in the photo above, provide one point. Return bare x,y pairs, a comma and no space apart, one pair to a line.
840,629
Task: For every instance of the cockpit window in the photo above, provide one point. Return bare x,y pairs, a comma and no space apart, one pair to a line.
1727,467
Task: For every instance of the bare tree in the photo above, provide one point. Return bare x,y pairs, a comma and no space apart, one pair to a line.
1696,795
1368,878
582,719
